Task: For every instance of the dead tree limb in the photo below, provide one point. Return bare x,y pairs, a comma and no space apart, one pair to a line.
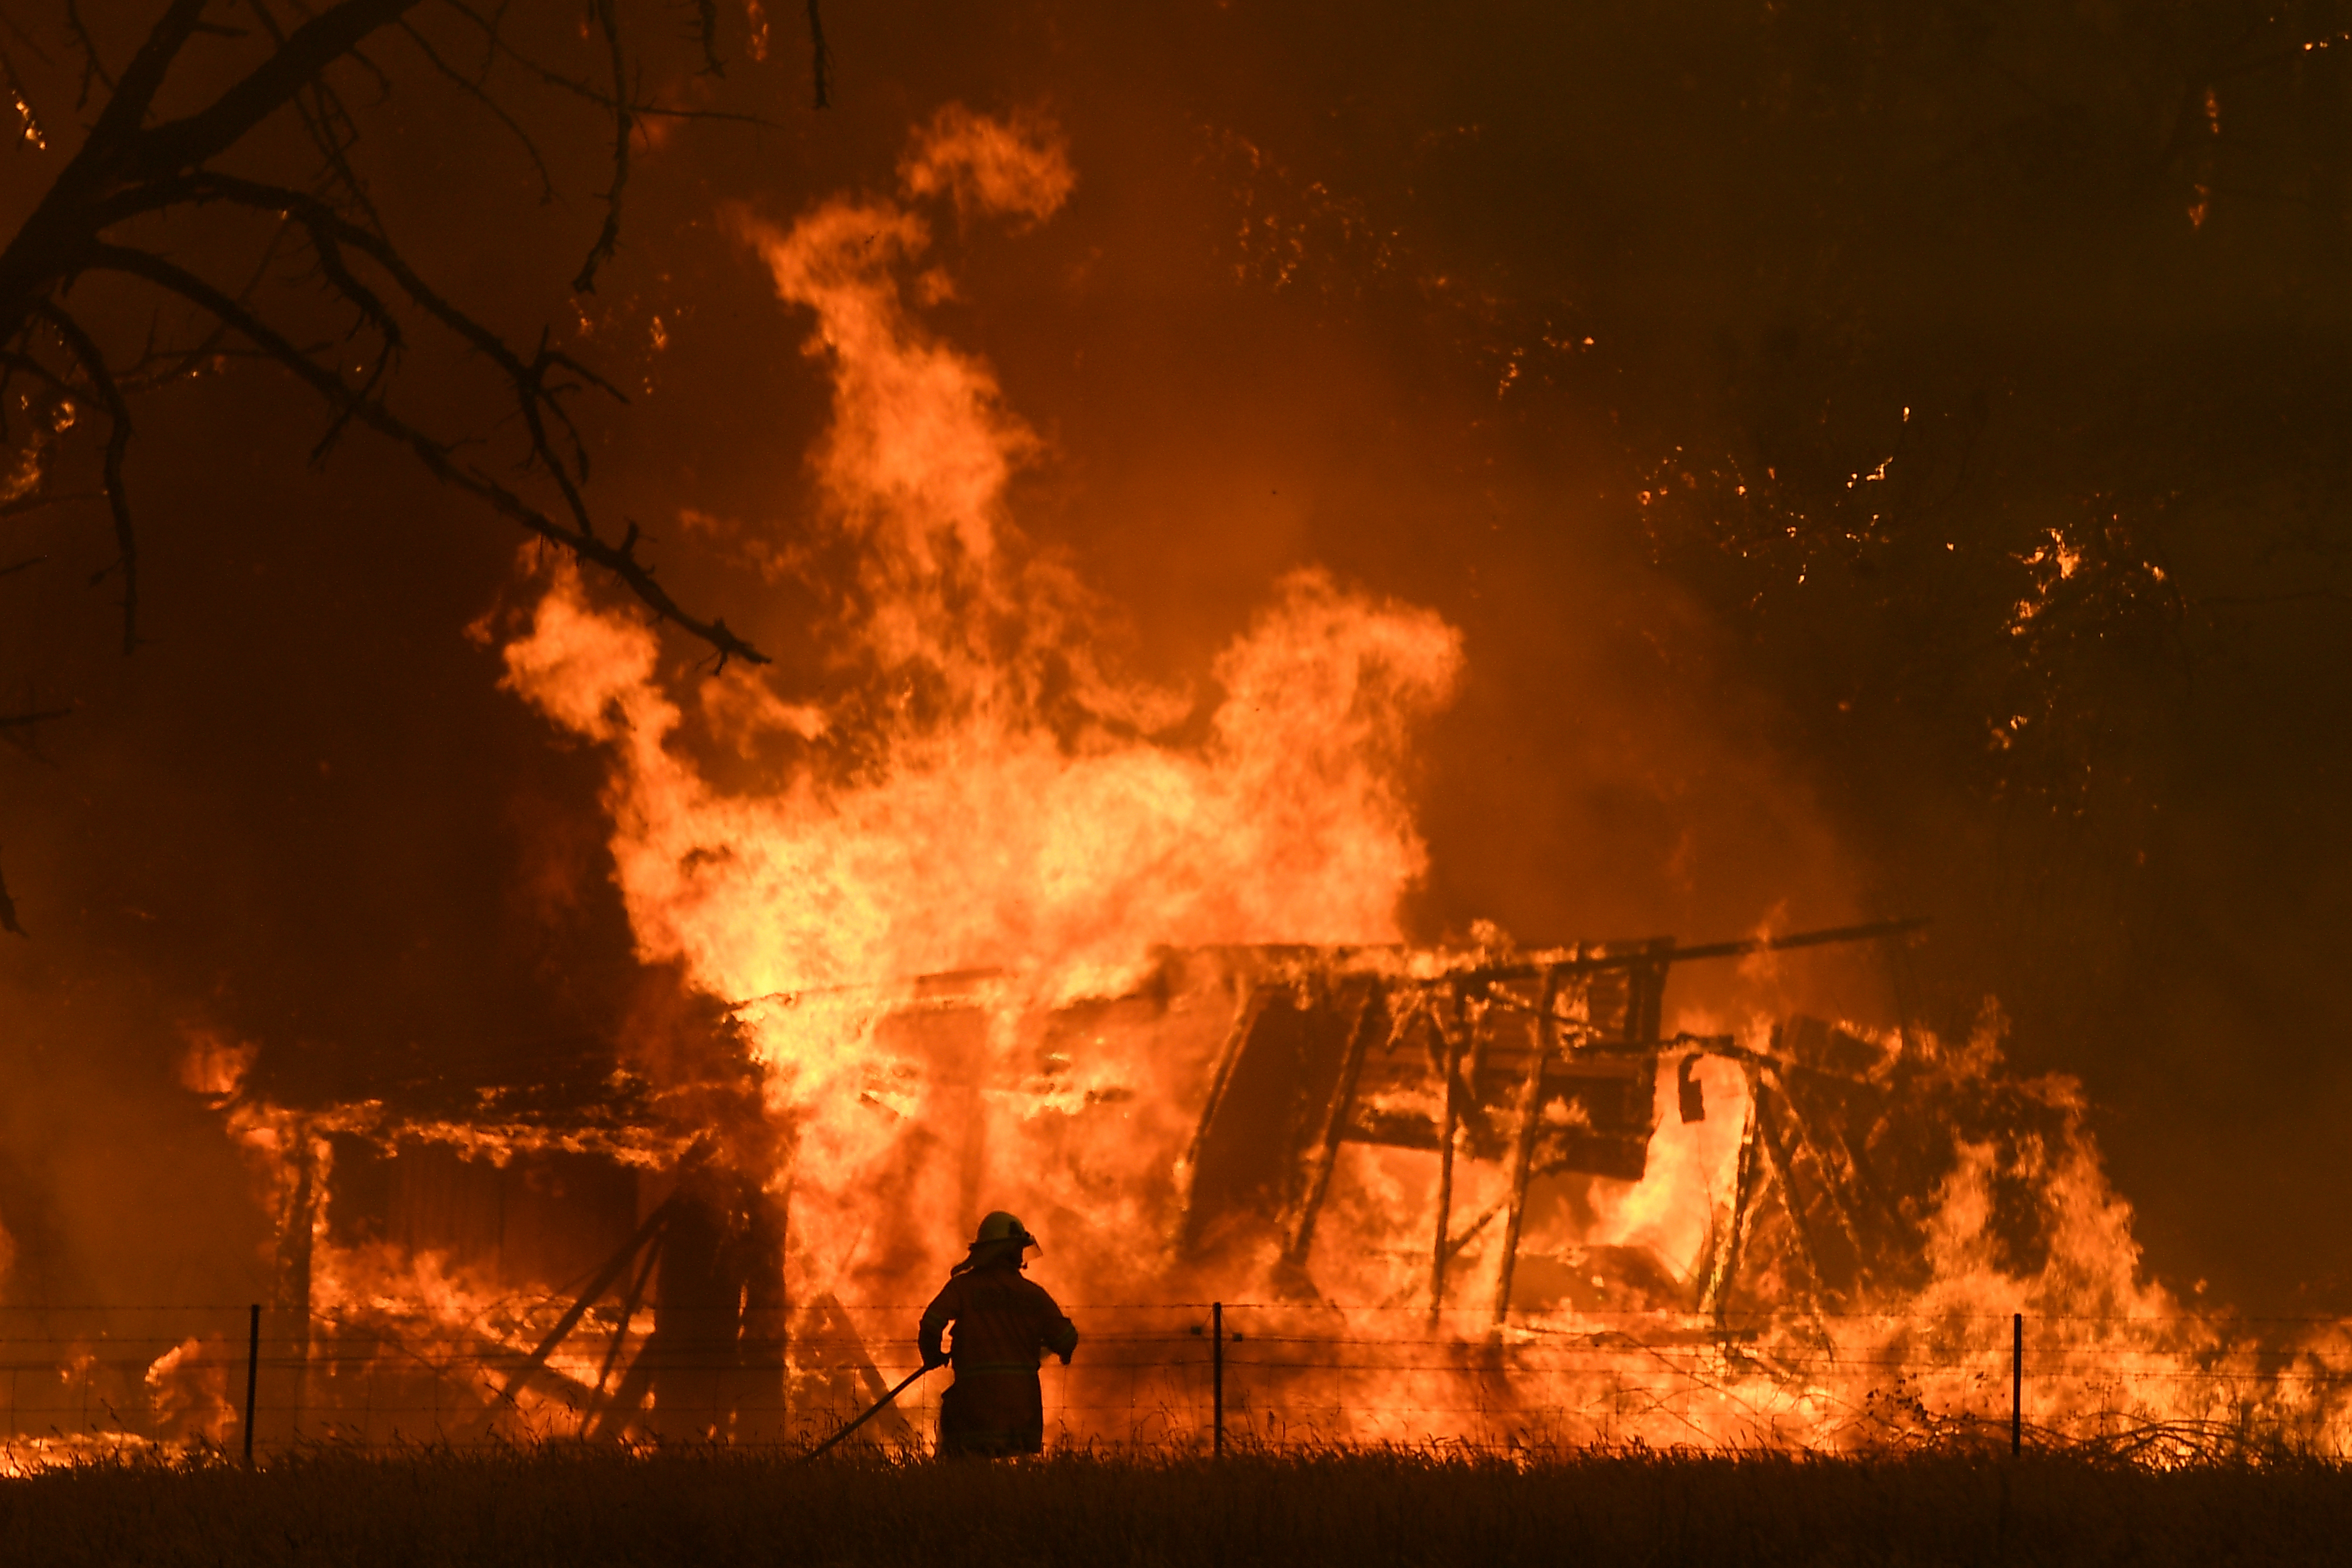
609,21
619,558
92,361
131,165
150,150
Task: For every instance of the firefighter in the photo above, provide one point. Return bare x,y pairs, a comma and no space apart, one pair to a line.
1004,1324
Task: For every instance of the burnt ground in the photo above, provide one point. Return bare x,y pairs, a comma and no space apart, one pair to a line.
519,1510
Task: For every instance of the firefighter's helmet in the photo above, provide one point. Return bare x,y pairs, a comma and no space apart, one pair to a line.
1000,1227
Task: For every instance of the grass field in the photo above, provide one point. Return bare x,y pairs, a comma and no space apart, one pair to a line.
711,1509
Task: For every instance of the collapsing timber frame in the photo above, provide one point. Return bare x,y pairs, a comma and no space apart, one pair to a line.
697,1342
1544,1065
646,1241
1777,1141
709,1259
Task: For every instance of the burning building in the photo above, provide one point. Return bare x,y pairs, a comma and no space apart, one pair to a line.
1517,1163
571,1250
1167,1009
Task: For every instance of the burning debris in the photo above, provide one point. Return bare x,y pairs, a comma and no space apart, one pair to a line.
1544,1065
1512,1163
1166,1011
1170,1017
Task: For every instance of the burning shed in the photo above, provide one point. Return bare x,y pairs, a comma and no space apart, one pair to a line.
548,1242
611,1256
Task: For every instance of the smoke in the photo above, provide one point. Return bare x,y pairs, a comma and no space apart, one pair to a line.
1017,166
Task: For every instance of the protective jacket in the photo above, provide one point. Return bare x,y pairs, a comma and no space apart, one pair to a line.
1004,1323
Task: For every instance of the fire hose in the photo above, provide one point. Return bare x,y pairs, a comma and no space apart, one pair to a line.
873,1410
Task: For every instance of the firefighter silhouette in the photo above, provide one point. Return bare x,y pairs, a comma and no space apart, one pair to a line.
1004,1323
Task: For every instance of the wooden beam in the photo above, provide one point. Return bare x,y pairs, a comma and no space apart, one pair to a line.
1245,1020
1776,1167
1523,1142
1335,1129
1731,1239
1833,1187
1450,1046
601,1281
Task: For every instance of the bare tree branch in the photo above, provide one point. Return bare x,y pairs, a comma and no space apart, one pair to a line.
126,107
579,539
126,168
87,354
706,17
474,89
494,44
130,165
14,361
819,57
530,380
325,120
181,144
610,236
91,66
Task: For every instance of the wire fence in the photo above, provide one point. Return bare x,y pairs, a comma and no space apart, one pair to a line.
1173,1375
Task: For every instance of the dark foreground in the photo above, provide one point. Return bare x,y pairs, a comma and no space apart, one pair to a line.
519,1510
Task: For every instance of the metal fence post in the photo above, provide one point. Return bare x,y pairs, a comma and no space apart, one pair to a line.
252,1375
2016,1385
1217,1373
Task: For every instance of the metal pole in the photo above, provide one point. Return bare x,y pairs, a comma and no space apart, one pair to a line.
1217,1373
2016,1384
252,1376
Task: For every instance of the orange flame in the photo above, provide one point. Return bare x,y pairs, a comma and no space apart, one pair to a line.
983,802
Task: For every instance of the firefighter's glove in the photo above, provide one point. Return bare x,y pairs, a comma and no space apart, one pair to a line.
933,1356
1065,1358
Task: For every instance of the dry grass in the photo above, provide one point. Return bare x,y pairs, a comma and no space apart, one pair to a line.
710,1510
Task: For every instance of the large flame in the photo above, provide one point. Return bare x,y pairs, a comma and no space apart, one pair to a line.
1006,803
968,920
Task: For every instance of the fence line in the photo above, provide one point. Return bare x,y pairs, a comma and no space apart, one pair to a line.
1774,1314
1182,1374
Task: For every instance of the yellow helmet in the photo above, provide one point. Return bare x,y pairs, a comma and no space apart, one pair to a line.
1002,1226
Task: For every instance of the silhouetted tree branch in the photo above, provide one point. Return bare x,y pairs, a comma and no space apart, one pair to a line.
139,165
128,167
